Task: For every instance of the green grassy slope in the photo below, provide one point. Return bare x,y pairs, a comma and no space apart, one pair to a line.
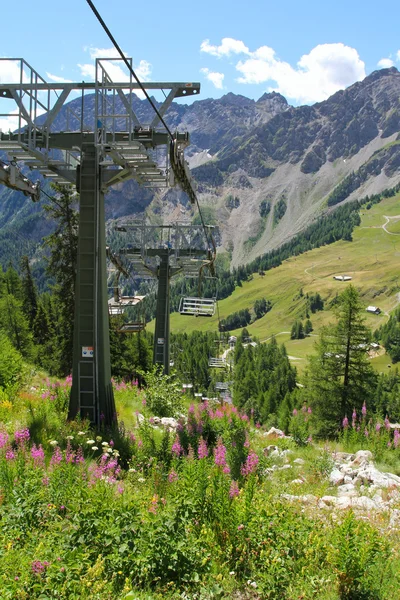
372,259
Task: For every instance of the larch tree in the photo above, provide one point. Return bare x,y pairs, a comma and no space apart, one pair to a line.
340,376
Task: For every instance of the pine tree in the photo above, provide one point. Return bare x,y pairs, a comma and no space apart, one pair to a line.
29,294
63,245
341,377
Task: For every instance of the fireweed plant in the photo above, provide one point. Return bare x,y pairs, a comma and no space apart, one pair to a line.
186,512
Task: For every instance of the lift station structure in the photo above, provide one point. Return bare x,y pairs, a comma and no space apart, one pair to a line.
94,150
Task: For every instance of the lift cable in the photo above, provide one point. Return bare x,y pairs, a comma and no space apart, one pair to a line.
178,172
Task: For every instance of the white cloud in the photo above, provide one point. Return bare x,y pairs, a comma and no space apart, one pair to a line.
319,74
57,79
398,55
216,78
10,71
228,46
103,52
10,122
115,69
385,63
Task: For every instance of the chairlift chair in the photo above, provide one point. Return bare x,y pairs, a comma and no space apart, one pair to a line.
217,363
132,327
197,307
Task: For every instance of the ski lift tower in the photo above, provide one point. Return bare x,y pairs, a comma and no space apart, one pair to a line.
163,251
64,145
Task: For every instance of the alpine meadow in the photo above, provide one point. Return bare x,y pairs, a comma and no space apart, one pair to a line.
199,310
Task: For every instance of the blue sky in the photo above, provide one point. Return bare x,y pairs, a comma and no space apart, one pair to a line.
305,50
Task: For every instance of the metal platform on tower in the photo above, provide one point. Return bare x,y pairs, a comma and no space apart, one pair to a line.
164,251
94,143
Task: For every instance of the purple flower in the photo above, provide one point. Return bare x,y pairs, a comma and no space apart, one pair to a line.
309,410
354,415
37,455
396,438
294,412
378,427
250,466
345,422
57,457
220,454
366,432
21,436
364,409
202,450
39,567
234,490
173,476
10,454
387,423
3,439
176,447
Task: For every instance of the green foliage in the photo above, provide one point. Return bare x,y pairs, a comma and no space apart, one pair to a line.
61,266
265,208
235,320
297,331
358,555
314,302
279,210
11,363
275,378
340,376
261,307
163,393
389,334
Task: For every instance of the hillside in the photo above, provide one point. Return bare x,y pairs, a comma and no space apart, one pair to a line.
264,169
371,259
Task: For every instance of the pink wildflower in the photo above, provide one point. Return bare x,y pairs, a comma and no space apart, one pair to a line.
3,439
220,454
345,422
202,450
176,447
387,423
396,438
234,489
37,455
57,457
309,410
10,454
39,567
250,465
378,427
294,412
366,432
21,436
354,415
173,476
364,409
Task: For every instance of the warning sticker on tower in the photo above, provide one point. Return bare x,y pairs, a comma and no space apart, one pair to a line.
87,351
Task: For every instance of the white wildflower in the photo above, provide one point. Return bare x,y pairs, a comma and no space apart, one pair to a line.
53,443
94,448
90,442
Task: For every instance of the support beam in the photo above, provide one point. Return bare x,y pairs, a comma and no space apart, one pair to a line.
91,394
161,332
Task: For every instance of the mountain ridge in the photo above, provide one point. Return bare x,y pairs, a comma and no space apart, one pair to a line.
264,169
